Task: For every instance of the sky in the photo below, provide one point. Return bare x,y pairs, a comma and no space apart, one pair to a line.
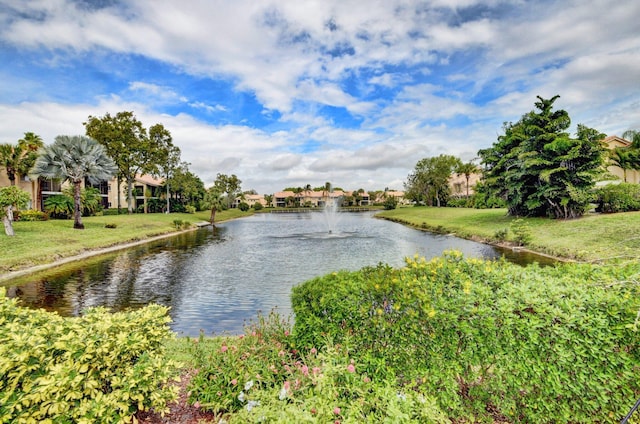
285,93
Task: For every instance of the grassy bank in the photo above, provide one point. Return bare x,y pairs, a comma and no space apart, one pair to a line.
38,243
594,238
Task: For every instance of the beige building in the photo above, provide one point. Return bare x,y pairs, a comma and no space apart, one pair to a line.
632,176
146,187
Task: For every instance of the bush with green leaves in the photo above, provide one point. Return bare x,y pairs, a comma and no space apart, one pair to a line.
521,231
59,206
98,368
623,197
257,206
30,215
490,340
261,377
243,206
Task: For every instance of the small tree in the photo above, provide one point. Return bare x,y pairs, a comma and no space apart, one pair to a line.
214,201
9,197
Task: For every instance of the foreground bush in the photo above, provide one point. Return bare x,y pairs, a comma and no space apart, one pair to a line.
260,377
98,368
491,340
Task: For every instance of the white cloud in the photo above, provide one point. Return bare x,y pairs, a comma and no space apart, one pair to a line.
451,72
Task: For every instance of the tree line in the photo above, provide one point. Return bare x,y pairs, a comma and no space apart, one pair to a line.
535,168
117,146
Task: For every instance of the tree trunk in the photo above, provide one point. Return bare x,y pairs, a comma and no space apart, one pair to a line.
168,203
119,182
77,207
129,196
7,218
213,215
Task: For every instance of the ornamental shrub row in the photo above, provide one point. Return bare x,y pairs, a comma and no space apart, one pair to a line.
489,339
99,368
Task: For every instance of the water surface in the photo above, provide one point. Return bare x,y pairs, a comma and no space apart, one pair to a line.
217,279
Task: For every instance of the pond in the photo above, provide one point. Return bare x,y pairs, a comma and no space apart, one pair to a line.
217,279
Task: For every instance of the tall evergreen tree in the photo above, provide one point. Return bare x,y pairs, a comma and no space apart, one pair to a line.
539,169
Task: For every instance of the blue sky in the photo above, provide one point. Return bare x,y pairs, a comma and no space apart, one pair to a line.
294,92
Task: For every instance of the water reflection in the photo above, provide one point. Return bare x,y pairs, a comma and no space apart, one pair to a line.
216,280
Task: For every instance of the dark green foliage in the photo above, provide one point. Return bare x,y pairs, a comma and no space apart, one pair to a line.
534,345
59,206
243,206
257,206
390,203
429,181
539,170
622,197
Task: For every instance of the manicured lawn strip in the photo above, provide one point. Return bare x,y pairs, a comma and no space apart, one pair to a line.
37,243
592,238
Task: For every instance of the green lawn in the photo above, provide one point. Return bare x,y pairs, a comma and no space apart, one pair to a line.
37,243
595,237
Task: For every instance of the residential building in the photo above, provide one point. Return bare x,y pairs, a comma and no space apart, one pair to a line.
146,187
632,175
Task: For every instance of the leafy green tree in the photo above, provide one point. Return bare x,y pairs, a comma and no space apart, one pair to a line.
74,158
186,187
429,181
269,199
126,141
228,186
11,197
214,201
539,169
167,158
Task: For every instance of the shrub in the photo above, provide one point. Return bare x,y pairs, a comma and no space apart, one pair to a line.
390,203
111,225
258,206
181,225
30,215
59,206
521,231
501,235
623,197
190,209
98,368
243,206
260,377
488,339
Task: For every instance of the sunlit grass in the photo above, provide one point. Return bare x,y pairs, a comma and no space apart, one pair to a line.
594,237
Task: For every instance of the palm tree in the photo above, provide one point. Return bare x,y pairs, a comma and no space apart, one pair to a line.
467,169
213,200
74,158
624,158
19,158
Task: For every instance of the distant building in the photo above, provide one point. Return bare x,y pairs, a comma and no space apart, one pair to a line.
633,176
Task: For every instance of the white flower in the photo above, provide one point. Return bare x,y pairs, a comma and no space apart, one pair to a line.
402,396
283,394
241,397
248,385
251,404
